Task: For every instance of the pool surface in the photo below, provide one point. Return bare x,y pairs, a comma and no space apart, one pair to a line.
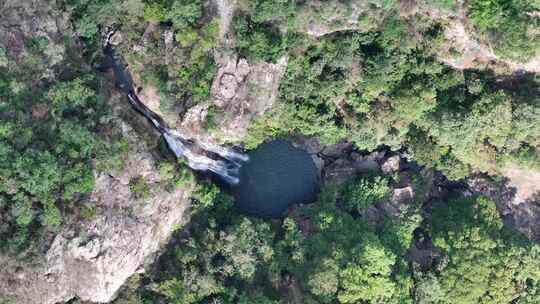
277,176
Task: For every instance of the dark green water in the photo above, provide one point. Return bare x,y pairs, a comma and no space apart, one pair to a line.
277,176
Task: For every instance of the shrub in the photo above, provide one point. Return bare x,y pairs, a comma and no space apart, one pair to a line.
362,192
139,188
184,12
155,12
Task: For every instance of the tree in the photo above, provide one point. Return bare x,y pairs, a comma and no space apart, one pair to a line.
368,278
364,191
486,264
184,12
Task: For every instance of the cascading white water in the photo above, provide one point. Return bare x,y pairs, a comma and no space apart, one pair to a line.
199,162
227,169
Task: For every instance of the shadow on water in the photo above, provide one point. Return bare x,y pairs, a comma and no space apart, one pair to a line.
276,176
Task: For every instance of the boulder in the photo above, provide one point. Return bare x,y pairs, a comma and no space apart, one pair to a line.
391,164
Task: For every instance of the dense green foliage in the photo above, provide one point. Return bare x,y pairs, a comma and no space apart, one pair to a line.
378,84
332,255
384,87
366,191
510,26
483,262
182,71
323,253
48,141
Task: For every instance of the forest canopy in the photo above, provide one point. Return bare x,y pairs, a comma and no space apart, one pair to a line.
376,80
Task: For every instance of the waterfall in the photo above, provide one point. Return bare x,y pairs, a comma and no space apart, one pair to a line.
183,148
226,170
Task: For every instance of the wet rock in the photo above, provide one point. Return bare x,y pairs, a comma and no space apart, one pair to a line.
391,164
364,164
195,118
337,150
319,163
117,38
339,171
346,167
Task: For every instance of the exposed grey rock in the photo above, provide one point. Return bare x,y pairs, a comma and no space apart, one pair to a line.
117,38
345,168
364,163
195,117
523,216
391,164
168,39
242,92
92,258
337,150
339,171
227,88
22,20
402,196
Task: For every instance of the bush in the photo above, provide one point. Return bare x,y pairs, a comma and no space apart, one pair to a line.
155,12
363,192
139,188
257,41
205,195
485,263
184,12
508,26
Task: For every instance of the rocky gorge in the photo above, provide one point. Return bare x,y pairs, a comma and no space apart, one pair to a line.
91,259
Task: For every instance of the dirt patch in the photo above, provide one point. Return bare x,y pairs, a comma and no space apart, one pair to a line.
226,11
40,111
150,97
526,183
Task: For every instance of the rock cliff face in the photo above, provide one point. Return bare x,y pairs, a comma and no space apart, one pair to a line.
93,255
22,20
92,259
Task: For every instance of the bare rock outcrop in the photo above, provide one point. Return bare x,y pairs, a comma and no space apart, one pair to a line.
241,92
516,212
22,20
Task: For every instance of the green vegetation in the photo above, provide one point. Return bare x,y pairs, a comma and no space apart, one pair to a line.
384,87
257,41
48,141
323,253
509,26
235,259
483,262
189,68
139,187
366,191
376,84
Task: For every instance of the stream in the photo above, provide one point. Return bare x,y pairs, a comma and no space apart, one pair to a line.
195,153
